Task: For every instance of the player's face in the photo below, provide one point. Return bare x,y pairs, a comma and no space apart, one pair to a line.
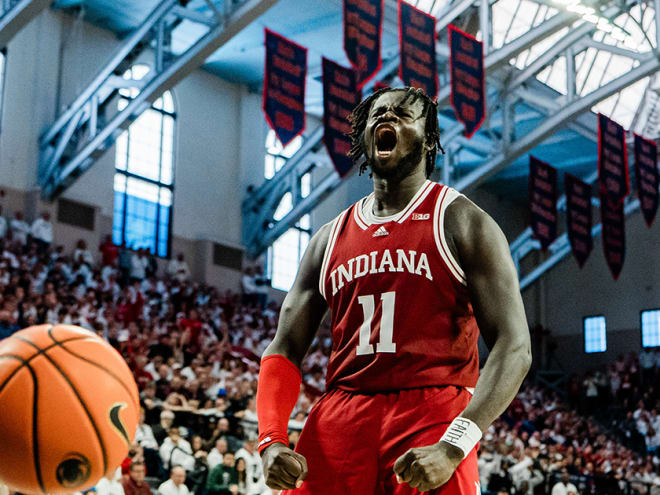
394,135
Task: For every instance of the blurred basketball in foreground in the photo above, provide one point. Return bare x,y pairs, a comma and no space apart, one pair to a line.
70,409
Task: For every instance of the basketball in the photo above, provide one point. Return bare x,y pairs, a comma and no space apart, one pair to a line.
70,409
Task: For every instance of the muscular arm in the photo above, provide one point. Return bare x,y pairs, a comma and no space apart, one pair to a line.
300,316
303,307
492,282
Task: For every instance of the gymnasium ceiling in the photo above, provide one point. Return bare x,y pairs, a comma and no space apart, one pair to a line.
317,24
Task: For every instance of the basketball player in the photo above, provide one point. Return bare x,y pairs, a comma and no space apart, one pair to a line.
410,274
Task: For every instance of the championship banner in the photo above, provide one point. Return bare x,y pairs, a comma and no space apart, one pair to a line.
578,217
418,66
543,201
340,96
468,81
284,86
646,171
614,236
363,27
612,159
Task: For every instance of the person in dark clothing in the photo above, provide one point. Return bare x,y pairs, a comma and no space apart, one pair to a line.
134,484
223,478
7,324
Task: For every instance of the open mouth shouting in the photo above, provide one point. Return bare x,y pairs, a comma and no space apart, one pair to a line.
386,139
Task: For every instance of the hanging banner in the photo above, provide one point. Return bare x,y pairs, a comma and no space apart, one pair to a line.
646,171
543,201
614,235
340,96
418,66
612,159
468,83
363,27
284,86
578,217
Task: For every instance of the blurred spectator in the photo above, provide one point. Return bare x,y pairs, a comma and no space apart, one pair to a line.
3,224
82,254
139,263
241,471
261,286
564,486
249,286
110,485
256,483
223,478
42,232
176,484
134,483
176,450
161,430
8,324
217,452
109,252
178,269
19,228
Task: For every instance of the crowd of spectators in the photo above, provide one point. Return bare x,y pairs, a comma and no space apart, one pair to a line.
193,349
600,436
194,352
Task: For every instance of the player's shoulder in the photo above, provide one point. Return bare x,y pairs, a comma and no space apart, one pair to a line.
465,220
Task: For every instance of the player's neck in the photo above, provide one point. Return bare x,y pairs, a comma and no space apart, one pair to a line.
390,197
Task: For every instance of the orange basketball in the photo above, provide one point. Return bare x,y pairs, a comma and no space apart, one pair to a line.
69,409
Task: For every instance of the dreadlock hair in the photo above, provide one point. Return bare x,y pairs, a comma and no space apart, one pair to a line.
360,115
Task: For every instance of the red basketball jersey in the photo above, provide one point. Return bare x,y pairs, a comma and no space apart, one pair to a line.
401,315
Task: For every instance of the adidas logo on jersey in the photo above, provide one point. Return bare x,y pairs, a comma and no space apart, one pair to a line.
381,231
421,216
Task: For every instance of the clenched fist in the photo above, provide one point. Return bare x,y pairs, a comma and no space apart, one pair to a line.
284,469
426,468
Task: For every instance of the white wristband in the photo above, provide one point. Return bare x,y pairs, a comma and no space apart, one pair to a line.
462,433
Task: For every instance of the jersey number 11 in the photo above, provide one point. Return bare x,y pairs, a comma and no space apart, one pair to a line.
385,343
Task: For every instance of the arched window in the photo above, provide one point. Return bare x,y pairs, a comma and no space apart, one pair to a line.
144,178
286,252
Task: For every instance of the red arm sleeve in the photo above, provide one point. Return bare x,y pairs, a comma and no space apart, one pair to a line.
277,394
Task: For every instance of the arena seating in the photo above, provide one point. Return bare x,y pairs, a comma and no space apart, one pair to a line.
194,351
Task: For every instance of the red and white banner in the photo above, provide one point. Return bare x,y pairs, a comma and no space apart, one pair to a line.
468,79
578,217
419,66
284,86
363,27
543,201
340,97
612,159
614,233
646,172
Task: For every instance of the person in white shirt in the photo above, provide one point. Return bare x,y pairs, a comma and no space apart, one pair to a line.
19,228
139,263
256,483
178,268
249,287
564,486
110,485
215,456
177,451
82,254
144,435
42,231
176,484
